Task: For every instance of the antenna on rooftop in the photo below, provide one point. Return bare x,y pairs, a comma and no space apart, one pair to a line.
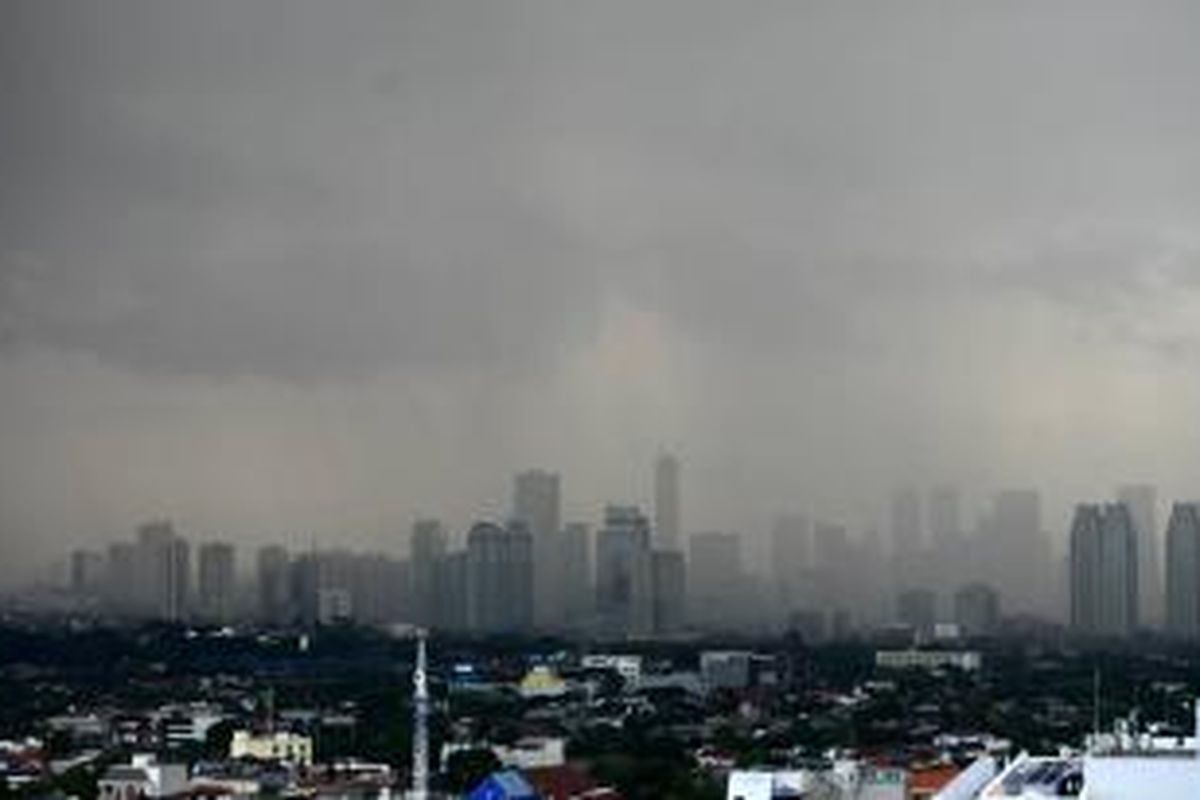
420,751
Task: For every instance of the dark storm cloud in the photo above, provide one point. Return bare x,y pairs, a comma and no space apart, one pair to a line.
282,190
428,239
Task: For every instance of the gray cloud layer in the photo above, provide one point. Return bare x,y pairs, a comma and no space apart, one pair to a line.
417,245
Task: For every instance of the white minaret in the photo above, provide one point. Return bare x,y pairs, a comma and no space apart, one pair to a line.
420,751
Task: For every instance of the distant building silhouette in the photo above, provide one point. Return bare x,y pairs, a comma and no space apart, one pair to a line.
427,547
1142,502
669,587
273,584
624,599
163,572
1104,571
715,578
791,559
578,591
666,502
216,585
537,505
917,608
499,578
1183,571
977,609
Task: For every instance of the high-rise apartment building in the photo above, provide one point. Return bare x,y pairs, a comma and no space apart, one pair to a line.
578,592
120,579
977,609
716,578
216,587
1183,571
427,548
273,584
1104,571
668,578
1142,502
945,522
499,578
791,549
917,608
666,502
1016,552
537,505
907,536
163,572
624,594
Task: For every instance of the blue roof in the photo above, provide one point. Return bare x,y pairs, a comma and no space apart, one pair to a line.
506,785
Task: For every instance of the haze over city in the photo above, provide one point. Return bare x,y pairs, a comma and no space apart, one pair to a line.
280,272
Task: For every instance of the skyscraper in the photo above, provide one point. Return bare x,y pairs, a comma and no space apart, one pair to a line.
666,502
1142,500
907,538
977,609
427,548
1016,553
163,572
669,587
499,578
791,546
945,524
537,504
579,595
120,579
715,578
918,609
624,600
1183,571
272,570
1104,571
216,585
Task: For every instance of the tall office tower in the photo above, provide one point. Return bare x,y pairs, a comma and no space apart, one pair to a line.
1183,571
452,592
977,609
577,573
945,523
833,566
918,608
86,572
907,538
427,548
536,504
1142,500
273,582
216,583
120,579
624,601
163,572
499,578
1104,571
666,502
715,578
303,587
668,579
1017,552
791,546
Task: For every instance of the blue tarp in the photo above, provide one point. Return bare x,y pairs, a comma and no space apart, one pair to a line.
507,785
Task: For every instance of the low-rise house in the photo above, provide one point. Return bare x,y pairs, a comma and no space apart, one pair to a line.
283,746
143,777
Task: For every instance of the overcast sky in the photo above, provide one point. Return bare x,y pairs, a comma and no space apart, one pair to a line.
281,269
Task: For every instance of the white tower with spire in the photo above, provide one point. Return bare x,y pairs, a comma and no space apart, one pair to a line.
420,747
